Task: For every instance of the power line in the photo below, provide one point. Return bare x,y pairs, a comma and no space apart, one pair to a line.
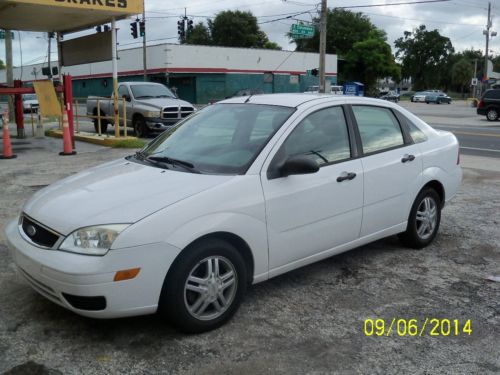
391,4
422,20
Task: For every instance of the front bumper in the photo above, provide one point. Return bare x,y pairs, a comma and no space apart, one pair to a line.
57,275
160,124
481,111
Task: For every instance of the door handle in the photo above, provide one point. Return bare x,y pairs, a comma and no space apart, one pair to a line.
406,158
346,176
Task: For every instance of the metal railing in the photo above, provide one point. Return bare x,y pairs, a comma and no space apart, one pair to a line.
99,117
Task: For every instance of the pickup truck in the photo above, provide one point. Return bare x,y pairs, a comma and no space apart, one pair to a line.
151,107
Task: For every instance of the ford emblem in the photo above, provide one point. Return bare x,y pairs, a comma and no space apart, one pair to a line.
30,230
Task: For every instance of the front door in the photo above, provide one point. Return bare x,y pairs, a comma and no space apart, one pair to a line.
309,214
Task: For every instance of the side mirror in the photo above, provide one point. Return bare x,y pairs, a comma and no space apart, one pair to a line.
127,98
298,165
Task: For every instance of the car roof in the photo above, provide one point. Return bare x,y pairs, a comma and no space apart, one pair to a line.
297,99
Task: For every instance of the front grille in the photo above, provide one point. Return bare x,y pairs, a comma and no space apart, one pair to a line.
38,234
177,112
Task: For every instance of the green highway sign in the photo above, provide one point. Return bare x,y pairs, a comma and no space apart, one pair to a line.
300,31
2,34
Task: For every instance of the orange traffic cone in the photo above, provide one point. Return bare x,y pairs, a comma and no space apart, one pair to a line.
7,146
67,146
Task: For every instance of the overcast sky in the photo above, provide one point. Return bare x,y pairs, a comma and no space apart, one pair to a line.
463,21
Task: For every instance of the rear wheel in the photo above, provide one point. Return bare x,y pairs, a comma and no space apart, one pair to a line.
492,114
204,287
424,220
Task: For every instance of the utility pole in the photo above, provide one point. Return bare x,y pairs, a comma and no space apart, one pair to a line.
144,58
49,34
487,33
10,70
322,45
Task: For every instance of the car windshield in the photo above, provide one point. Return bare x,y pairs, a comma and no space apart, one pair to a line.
29,97
220,139
151,91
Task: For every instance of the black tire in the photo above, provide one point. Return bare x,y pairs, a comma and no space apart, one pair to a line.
140,128
426,102
492,114
104,126
175,298
413,237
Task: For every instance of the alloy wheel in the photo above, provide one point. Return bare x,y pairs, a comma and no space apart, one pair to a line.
426,219
210,288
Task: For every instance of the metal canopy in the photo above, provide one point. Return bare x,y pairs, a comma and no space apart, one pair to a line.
63,15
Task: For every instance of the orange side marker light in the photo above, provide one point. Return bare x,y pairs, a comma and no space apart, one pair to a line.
126,274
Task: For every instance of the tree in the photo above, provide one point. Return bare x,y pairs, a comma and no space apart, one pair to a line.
237,29
344,28
371,59
2,65
424,56
461,73
199,35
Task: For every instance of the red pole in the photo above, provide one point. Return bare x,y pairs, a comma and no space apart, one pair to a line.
68,104
19,110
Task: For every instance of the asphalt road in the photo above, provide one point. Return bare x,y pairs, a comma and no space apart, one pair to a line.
474,140
476,135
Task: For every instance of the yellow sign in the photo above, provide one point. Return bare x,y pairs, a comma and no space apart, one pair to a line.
47,98
120,6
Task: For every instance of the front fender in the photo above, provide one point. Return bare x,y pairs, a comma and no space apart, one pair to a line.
248,228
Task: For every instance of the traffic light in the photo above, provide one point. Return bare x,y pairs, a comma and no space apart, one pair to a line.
180,28
133,29
314,72
142,28
190,26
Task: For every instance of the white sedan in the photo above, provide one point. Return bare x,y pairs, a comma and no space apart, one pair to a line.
237,193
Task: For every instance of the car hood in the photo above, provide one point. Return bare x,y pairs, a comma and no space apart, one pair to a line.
115,192
164,102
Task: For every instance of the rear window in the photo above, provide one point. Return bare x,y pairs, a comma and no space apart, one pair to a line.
492,94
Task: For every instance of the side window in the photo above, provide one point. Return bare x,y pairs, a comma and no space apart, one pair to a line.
321,136
378,127
416,134
122,90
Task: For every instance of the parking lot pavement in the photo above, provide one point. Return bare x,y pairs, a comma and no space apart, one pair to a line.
307,321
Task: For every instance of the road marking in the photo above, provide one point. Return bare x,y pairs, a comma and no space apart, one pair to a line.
478,134
480,149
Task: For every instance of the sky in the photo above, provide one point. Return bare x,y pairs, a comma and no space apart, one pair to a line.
463,21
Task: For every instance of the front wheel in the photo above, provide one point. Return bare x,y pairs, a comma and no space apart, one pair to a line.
204,287
424,220
140,127
492,114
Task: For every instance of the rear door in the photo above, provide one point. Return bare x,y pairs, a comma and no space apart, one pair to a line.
392,166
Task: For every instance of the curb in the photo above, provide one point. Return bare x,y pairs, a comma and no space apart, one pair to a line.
108,141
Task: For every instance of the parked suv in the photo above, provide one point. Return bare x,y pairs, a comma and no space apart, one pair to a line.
489,105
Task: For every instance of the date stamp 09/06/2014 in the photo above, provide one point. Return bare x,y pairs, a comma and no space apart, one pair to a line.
417,327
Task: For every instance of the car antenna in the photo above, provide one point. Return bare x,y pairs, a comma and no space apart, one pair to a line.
248,99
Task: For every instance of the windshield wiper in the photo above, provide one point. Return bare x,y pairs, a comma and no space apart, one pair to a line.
164,96
139,155
144,97
165,159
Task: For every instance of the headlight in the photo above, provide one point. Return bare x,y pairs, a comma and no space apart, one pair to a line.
92,240
152,114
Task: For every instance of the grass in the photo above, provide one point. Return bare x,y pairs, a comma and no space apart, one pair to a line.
129,143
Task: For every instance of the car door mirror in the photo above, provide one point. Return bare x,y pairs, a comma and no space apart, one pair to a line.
298,165
127,98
